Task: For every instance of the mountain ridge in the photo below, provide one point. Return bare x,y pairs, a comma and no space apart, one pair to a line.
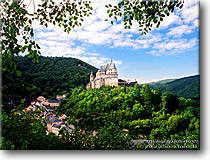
188,87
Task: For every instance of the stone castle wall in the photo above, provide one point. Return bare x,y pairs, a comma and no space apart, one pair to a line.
106,76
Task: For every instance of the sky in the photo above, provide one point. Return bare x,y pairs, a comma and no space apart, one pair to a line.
171,51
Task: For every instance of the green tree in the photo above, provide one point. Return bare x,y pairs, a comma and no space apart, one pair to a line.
114,116
147,95
21,131
112,137
170,103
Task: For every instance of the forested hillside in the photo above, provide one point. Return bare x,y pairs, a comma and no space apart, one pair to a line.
111,118
49,77
188,87
140,112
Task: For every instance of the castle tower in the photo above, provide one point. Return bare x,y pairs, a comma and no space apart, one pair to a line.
106,76
100,73
91,76
111,69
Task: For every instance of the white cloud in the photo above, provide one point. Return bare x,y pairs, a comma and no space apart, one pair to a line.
97,26
175,44
116,28
180,30
53,43
47,34
95,61
190,13
125,43
139,42
169,20
172,47
155,53
92,37
117,62
196,23
149,39
190,3
94,54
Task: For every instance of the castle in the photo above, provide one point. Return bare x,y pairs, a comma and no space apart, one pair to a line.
105,76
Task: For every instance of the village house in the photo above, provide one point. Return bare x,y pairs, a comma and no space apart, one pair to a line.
41,99
127,84
52,103
62,117
60,97
54,125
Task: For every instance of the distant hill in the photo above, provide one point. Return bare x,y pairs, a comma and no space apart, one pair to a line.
160,83
188,87
49,77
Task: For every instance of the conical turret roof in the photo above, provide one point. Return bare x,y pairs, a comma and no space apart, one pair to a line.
91,74
112,65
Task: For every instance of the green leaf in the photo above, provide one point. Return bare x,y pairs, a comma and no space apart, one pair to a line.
166,12
19,73
110,15
22,49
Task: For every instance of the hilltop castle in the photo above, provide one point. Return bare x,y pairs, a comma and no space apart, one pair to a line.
105,76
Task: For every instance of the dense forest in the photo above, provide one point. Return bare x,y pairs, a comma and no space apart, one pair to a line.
140,110
55,74
119,116
50,77
188,87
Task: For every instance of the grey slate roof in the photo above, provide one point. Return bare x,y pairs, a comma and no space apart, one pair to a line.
55,119
50,121
58,125
102,69
53,101
110,65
